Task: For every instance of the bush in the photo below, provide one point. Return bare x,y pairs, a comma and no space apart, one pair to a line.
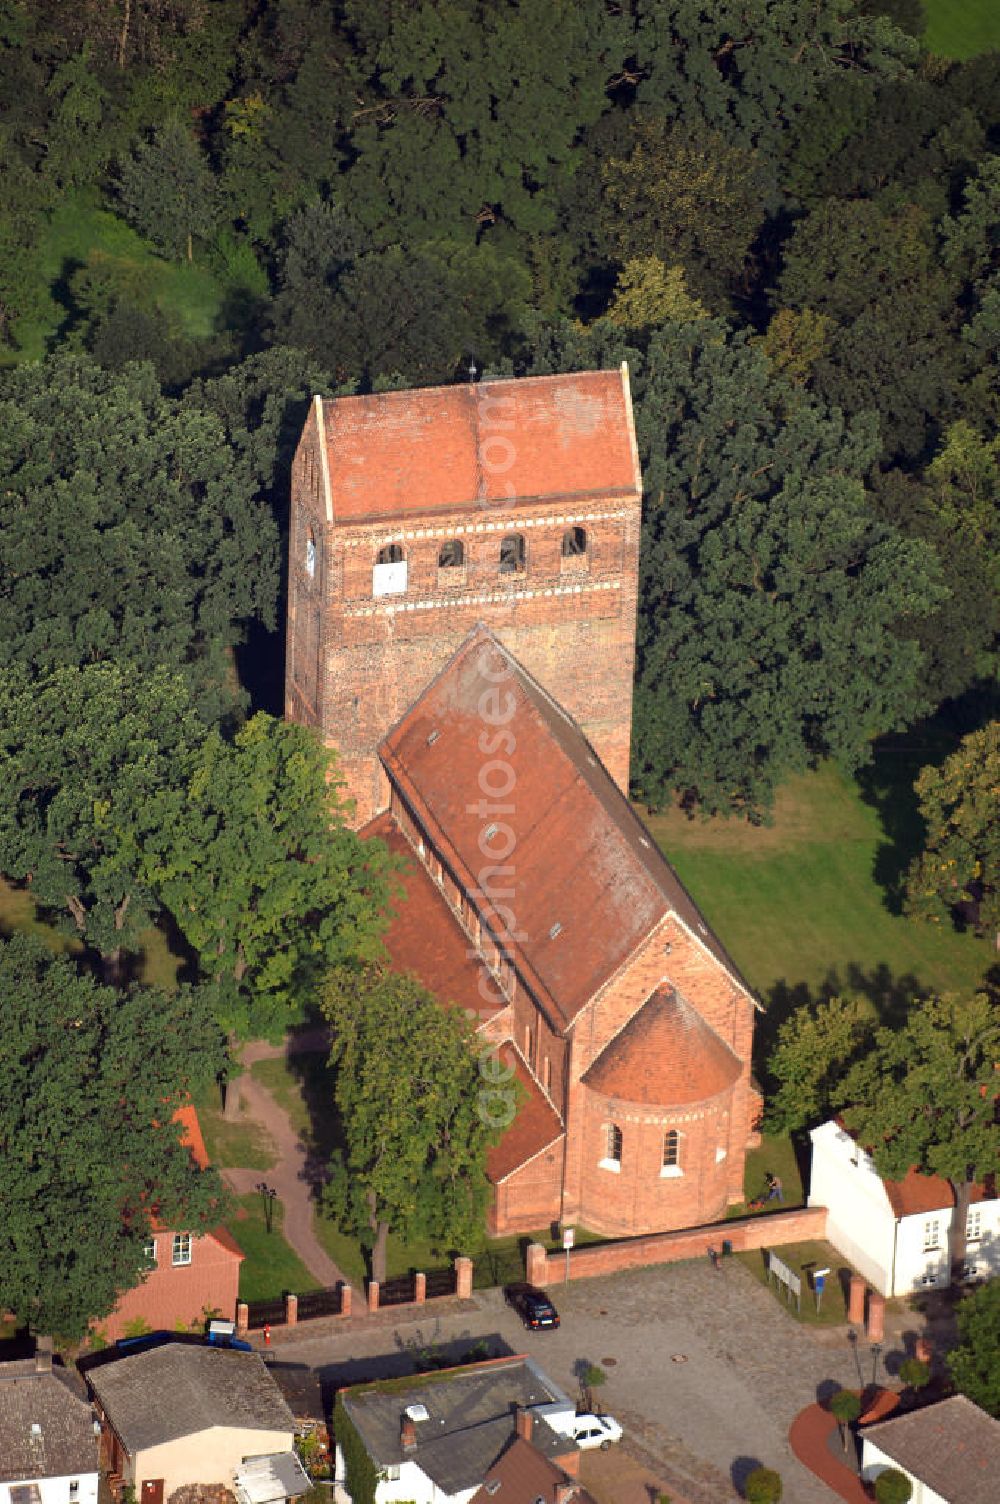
914,1373
892,1487
763,1486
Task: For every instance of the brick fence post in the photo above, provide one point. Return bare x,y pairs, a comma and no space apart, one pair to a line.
536,1265
875,1327
419,1288
373,1295
242,1317
463,1278
291,1310
856,1300
346,1296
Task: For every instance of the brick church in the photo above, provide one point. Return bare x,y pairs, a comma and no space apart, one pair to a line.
463,577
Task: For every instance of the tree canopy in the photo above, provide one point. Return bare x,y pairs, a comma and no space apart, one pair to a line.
89,1150
974,1363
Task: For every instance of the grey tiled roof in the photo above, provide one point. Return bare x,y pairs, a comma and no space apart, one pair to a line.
471,1419
66,1443
179,1390
953,1447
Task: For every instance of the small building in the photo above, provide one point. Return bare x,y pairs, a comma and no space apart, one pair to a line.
950,1452
184,1414
191,1276
895,1232
48,1436
465,1434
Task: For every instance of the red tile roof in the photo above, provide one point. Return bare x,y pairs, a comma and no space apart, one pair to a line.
541,438
522,1476
536,1126
917,1193
666,1053
191,1137
588,882
424,936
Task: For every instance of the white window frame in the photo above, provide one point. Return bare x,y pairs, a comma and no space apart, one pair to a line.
974,1224
671,1169
614,1138
149,1250
932,1235
180,1249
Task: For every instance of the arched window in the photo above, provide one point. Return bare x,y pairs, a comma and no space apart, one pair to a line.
512,554
612,1144
310,553
389,574
671,1149
574,543
452,554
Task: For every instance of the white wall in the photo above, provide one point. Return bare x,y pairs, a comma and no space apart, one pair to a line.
412,1483
874,1462
860,1224
56,1490
914,1261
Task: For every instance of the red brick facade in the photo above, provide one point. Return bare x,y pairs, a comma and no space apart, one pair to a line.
357,660
175,1295
467,706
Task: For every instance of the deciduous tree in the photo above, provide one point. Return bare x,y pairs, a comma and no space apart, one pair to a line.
89,1151
409,1095
975,1363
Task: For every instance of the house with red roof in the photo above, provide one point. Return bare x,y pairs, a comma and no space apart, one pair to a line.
896,1232
190,1273
463,579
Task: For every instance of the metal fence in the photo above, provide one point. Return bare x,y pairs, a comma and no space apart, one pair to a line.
326,1302
265,1313
440,1282
398,1291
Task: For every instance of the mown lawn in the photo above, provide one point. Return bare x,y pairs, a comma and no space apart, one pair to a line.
80,231
802,1259
243,1144
270,1266
157,965
962,28
806,904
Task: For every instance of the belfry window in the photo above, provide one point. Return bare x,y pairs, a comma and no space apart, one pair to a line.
512,554
389,574
574,543
452,554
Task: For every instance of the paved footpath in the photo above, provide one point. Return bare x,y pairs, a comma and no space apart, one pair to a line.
290,1175
705,1370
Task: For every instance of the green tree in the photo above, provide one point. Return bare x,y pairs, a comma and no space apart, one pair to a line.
168,192
846,1406
409,1097
915,1373
90,1151
762,1486
919,1095
136,516
91,762
262,876
892,1487
961,856
649,293
774,605
974,1364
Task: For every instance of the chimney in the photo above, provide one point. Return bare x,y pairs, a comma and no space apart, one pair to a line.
407,1435
43,1354
524,1423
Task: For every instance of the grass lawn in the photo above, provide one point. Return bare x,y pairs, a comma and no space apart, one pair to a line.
239,1145
190,296
157,967
270,1267
962,28
806,904
777,1155
802,1258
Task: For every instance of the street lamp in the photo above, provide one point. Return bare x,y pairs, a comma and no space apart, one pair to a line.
876,1354
267,1194
852,1338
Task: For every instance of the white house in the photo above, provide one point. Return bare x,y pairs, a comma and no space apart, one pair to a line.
48,1439
895,1232
439,1438
949,1451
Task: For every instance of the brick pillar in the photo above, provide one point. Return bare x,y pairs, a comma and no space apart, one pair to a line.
463,1278
924,1349
242,1317
373,1295
875,1326
856,1300
291,1310
346,1296
536,1265
419,1288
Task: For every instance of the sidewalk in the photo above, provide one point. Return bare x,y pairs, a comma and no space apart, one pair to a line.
809,1439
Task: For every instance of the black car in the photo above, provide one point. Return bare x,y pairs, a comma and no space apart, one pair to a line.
533,1306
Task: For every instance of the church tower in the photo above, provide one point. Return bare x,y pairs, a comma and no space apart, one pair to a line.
416,515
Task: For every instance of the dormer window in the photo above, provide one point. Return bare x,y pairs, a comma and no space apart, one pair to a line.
512,554
389,574
310,553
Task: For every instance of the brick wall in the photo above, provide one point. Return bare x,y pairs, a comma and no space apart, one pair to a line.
170,1295
670,1247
